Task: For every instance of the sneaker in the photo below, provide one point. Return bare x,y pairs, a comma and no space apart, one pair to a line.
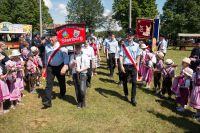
47,104
6,111
196,115
12,107
181,109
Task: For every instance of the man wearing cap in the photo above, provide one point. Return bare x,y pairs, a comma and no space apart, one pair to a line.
111,49
56,67
6,58
162,45
128,67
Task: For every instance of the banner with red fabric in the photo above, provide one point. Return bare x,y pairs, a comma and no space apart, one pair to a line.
71,34
144,28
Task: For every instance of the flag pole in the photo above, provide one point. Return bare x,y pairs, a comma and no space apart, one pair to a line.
40,18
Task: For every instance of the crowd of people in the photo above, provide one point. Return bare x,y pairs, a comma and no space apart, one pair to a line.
134,60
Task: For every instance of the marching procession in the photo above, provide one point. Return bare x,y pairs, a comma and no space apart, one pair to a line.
24,68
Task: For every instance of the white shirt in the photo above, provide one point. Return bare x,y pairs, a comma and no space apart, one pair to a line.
89,51
163,46
105,41
82,62
112,46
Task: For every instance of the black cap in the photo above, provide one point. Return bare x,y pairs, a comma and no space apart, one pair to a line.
130,31
50,32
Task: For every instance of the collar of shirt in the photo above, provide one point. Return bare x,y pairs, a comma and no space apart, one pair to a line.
56,45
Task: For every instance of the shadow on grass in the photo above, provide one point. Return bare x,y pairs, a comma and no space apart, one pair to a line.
105,92
171,104
102,73
68,98
181,122
102,67
147,91
108,80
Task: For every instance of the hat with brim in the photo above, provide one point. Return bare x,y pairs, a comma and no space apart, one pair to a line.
15,53
34,49
169,62
160,54
1,56
186,60
188,71
143,46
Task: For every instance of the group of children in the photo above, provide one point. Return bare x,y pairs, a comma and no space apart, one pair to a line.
23,65
185,86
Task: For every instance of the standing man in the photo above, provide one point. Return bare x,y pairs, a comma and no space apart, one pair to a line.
162,45
127,67
79,64
56,67
87,50
111,49
36,40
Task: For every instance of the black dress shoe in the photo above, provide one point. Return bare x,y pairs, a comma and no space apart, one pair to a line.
63,97
133,102
47,104
126,98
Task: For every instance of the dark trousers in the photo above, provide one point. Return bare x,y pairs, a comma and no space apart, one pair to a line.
80,87
111,58
166,86
89,74
130,71
119,71
157,78
52,72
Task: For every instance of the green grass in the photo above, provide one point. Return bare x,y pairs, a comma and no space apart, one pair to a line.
105,112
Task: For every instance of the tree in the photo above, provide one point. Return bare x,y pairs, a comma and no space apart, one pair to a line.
110,24
180,16
140,8
89,12
24,12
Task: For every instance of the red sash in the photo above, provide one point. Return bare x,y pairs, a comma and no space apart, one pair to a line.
131,59
49,60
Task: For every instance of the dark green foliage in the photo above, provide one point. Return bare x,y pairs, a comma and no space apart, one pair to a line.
140,8
181,16
89,12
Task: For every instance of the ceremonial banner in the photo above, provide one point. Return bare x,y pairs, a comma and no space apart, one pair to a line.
155,34
71,34
144,28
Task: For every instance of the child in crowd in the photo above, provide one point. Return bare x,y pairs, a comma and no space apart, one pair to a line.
16,57
4,91
168,73
175,88
31,73
147,70
184,88
157,71
80,64
144,51
38,63
195,94
15,93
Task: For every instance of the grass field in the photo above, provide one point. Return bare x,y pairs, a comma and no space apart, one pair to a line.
106,110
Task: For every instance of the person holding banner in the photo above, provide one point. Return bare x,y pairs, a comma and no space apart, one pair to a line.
56,61
129,56
79,63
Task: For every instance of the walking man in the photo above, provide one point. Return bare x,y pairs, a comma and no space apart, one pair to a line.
56,61
111,49
129,56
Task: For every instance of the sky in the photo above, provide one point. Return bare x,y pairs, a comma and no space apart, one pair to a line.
57,8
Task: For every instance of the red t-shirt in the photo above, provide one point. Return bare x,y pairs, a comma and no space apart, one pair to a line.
94,46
